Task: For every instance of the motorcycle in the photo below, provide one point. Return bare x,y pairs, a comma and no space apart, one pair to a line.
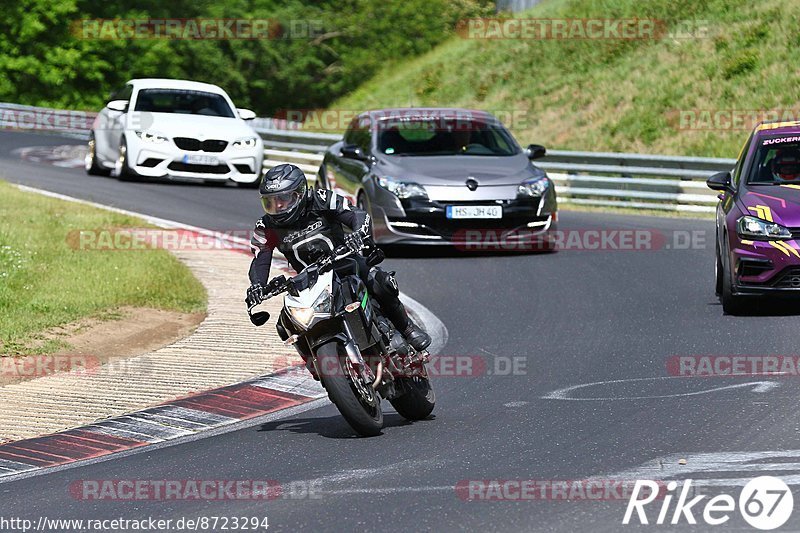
348,345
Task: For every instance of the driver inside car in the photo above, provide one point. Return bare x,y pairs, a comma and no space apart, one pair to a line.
304,224
786,165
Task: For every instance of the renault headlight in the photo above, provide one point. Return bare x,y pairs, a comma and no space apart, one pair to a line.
402,189
304,316
535,187
247,142
148,137
756,228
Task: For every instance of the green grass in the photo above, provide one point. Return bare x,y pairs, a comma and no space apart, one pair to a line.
613,95
46,282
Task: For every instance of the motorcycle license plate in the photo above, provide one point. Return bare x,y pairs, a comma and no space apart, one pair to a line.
474,211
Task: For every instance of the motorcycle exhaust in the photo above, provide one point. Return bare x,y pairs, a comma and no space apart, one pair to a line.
380,376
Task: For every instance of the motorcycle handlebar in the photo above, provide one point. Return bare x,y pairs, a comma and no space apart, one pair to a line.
322,265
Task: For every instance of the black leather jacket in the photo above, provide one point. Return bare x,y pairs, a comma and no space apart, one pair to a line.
320,229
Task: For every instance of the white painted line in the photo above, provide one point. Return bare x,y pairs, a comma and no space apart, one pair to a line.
168,421
433,326
110,428
13,466
153,428
701,467
296,381
566,393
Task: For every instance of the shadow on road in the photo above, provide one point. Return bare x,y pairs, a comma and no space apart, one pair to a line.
330,427
765,307
399,251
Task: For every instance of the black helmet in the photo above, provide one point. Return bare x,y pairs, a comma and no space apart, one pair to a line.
283,194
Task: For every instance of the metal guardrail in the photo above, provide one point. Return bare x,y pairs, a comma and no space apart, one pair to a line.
605,179
636,181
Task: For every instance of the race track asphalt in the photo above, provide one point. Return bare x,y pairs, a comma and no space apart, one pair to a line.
569,318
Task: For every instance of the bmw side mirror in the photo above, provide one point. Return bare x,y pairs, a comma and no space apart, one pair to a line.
535,151
351,151
246,114
118,105
721,181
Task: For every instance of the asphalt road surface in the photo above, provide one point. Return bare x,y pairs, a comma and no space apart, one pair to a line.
610,317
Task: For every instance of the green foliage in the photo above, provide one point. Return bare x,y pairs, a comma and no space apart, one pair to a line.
47,281
44,62
619,95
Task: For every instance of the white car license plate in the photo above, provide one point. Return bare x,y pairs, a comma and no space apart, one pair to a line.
196,159
474,211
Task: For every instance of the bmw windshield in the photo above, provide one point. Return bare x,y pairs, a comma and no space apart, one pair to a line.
444,137
182,101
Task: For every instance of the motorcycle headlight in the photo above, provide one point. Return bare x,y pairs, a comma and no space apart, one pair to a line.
535,187
756,228
148,137
247,142
402,189
304,316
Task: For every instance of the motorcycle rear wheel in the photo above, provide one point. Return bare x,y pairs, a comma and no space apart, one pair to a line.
419,400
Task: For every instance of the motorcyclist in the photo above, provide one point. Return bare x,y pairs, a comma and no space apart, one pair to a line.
303,223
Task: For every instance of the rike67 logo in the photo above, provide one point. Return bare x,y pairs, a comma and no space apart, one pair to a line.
765,503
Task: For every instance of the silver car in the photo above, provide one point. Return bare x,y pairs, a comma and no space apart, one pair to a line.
441,176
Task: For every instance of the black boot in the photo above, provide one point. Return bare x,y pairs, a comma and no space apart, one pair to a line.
416,337
384,288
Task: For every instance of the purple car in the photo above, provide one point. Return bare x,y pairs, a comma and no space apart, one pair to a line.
758,218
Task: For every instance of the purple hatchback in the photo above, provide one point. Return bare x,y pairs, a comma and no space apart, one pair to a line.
758,218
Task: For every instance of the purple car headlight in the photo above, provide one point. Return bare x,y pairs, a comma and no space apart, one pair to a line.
758,229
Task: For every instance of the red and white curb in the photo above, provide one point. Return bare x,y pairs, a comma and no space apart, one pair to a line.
184,417
200,415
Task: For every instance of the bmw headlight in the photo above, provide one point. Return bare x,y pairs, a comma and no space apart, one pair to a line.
402,189
756,228
304,316
535,187
247,142
148,137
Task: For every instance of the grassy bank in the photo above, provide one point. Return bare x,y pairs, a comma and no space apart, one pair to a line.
46,282
615,95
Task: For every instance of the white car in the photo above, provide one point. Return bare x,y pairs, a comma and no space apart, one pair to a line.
174,129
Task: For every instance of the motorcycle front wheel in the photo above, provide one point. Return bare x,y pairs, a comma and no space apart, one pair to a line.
355,398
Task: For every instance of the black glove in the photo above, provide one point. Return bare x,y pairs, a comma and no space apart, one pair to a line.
354,241
255,295
374,255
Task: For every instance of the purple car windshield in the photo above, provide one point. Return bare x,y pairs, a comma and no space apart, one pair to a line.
444,137
776,161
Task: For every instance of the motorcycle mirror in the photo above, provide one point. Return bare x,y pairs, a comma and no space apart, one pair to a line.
260,318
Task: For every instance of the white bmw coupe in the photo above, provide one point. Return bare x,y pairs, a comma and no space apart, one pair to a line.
174,129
